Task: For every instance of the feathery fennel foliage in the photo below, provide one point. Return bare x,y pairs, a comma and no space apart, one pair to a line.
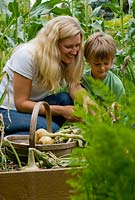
108,160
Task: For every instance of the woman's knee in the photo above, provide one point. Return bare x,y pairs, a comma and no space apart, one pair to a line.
64,99
41,123
55,127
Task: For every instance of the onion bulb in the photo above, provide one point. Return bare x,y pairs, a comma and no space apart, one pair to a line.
40,133
46,140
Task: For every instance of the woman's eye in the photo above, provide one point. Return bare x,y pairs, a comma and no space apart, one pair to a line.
96,64
68,47
78,45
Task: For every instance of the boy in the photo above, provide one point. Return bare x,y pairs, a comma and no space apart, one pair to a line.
99,52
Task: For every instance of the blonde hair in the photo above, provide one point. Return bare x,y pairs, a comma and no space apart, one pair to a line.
47,56
99,45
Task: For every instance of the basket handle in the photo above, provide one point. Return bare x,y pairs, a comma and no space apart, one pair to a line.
33,123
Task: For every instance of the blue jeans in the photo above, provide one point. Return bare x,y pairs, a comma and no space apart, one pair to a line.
21,121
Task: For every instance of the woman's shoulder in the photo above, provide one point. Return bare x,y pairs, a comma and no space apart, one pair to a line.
22,50
22,61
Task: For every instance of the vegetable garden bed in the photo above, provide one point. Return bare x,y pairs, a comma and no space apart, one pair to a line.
45,184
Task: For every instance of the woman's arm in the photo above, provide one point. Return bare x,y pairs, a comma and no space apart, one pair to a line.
76,90
22,89
80,95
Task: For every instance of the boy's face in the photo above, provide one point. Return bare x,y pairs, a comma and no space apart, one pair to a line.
100,67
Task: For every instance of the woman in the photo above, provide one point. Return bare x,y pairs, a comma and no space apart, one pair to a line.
37,69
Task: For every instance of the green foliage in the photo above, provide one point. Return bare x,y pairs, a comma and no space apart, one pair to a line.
108,160
4,92
108,170
20,22
97,89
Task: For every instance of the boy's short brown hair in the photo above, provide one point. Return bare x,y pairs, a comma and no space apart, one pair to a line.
99,45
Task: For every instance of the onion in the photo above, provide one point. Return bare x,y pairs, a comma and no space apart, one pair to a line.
40,133
46,140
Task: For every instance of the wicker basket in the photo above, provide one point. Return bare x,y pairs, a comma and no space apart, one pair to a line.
21,143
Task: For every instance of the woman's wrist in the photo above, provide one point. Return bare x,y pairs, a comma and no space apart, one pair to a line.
57,109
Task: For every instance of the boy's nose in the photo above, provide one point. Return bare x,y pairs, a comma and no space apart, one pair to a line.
102,67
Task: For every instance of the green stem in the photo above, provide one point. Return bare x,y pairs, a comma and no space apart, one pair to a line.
86,16
121,16
31,165
4,33
64,135
15,153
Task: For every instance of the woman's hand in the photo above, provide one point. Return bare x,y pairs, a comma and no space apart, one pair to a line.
80,96
66,111
90,106
69,114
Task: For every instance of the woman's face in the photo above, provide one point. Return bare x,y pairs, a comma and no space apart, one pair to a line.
100,67
69,48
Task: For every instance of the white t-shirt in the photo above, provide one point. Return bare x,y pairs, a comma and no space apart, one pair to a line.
21,62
